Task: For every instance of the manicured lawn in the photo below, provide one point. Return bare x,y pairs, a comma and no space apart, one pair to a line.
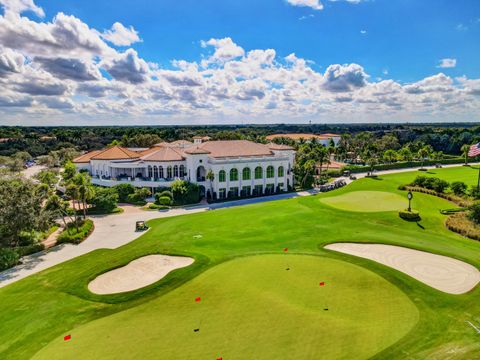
255,300
37,311
466,174
367,201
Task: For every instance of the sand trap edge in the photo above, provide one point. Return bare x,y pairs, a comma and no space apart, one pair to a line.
137,274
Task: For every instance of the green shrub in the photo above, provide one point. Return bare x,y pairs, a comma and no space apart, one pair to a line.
440,185
459,188
412,215
30,249
157,207
473,192
165,193
185,192
74,236
123,191
474,213
419,181
105,200
8,258
163,200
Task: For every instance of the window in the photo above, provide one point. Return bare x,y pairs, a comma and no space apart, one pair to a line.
280,187
233,192
281,171
182,170
269,189
160,172
155,172
258,190
175,171
258,172
150,171
222,193
246,174
222,176
169,172
270,172
246,191
234,175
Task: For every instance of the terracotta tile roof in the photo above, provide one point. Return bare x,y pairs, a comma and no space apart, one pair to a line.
85,158
180,143
163,154
231,148
202,137
333,165
195,150
302,136
116,153
163,143
273,146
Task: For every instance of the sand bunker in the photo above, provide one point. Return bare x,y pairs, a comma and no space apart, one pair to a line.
440,272
137,274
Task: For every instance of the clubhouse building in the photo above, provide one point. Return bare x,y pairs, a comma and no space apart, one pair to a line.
239,167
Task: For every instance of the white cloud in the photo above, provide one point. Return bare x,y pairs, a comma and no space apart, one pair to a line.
447,63
119,35
10,61
20,6
314,4
225,49
128,67
363,32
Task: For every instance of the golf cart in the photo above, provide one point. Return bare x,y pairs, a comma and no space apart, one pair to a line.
141,226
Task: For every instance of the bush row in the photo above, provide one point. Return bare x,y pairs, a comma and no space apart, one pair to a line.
450,197
402,165
412,215
461,224
74,236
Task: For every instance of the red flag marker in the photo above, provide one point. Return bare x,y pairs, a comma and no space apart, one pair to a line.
322,283
219,358
286,249
197,299
67,337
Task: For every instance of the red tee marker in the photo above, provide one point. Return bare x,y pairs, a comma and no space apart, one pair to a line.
322,283
219,358
285,250
197,299
67,337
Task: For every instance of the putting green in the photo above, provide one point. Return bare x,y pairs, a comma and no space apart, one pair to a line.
367,201
253,308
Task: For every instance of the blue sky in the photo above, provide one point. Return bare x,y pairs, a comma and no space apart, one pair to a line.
405,37
428,51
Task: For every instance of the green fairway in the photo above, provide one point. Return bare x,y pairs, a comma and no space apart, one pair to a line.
466,174
365,315
368,201
250,303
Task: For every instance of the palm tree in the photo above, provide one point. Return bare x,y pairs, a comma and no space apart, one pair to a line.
84,189
465,149
320,157
211,177
422,154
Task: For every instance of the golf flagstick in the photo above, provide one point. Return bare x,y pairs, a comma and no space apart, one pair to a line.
285,250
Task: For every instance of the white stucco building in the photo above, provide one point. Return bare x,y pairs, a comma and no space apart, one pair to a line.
239,167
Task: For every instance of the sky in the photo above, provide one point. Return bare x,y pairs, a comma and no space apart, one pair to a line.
195,62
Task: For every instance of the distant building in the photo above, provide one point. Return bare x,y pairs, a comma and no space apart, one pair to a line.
240,167
324,139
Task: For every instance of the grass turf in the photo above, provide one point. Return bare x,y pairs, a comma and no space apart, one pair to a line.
365,315
367,201
41,308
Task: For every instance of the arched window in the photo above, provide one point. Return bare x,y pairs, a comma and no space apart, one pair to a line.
246,173
182,170
169,172
258,172
234,175
150,171
222,176
270,172
281,171
160,172
175,171
155,172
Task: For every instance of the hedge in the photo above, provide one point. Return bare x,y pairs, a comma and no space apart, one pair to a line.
30,249
71,235
450,197
402,165
8,258
412,215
